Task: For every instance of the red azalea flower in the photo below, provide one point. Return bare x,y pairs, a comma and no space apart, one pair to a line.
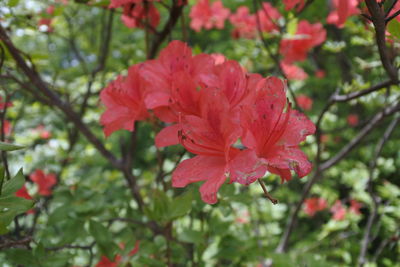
46,22
342,10
293,72
203,14
50,10
272,136
105,262
338,210
304,102
394,10
268,16
244,23
210,137
313,205
7,128
43,133
352,119
320,74
23,192
172,82
355,206
134,15
289,4
218,58
307,36
4,104
124,101
325,138
44,181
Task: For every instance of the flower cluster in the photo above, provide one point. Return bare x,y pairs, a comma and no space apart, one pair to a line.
208,108
338,210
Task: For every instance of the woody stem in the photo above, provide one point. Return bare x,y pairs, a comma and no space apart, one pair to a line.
266,194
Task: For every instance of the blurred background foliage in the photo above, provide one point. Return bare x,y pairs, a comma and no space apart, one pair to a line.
91,213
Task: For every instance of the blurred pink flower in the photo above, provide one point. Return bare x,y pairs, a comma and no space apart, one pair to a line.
338,210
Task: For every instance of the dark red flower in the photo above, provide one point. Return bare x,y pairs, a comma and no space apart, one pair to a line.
313,205
355,206
4,104
352,119
208,16
124,101
44,181
23,192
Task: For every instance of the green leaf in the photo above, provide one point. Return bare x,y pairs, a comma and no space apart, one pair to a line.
394,28
103,238
181,205
292,27
13,185
18,204
191,236
9,147
13,3
19,256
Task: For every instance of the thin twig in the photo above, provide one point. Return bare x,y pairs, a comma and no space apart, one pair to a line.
266,194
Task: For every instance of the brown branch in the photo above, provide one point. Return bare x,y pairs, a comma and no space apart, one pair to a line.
379,21
266,194
283,244
362,258
363,133
9,243
175,13
36,80
354,95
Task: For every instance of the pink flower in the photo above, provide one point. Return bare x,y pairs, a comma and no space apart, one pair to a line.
203,14
395,9
43,133
289,4
307,36
293,72
313,205
218,58
209,136
50,10
338,210
343,10
272,133
124,100
352,119
268,16
134,15
244,23
304,102
44,181
355,206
